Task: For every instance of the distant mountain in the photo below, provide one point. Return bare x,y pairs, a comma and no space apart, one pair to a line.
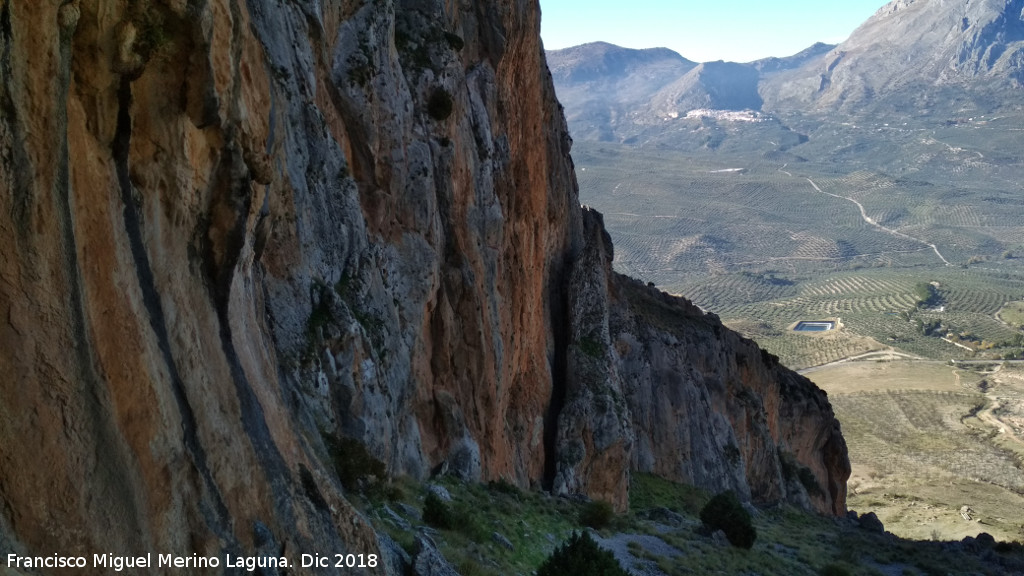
715,85
619,94
911,58
773,64
914,56
599,83
602,62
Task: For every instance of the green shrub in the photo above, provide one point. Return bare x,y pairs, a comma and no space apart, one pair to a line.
440,104
925,293
725,512
505,487
835,570
437,513
385,492
792,468
809,482
357,469
591,347
597,514
581,556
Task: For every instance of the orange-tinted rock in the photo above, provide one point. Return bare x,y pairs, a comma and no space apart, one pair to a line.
659,386
710,408
231,227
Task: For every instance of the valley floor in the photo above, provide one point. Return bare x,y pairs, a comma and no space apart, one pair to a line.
908,237
928,440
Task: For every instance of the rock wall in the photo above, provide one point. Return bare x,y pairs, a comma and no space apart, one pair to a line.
232,229
668,389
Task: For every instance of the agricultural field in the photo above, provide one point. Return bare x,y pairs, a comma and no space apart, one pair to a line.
927,439
1012,314
909,237
764,242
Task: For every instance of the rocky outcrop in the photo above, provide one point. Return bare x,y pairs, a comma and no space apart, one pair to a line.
595,435
237,229
691,400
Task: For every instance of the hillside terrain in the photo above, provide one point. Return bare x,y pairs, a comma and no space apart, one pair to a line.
873,186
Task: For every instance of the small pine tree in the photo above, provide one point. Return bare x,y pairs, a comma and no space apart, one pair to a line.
725,512
581,556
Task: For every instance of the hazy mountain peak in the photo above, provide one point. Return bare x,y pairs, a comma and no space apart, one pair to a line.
910,53
597,60
716,85
775,64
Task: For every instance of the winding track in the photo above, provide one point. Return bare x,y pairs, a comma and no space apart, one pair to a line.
869,220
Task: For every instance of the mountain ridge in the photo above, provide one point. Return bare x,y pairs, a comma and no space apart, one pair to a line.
908,59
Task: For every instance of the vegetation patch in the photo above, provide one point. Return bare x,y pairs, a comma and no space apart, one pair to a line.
437,513
356,468
925,294
581,556
789,541
647,491
793,469
591,347
725,512
597,514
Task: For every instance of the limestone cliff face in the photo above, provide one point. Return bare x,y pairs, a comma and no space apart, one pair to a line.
231,228
670,390
718,412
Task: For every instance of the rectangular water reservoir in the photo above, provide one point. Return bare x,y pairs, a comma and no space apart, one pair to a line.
814,326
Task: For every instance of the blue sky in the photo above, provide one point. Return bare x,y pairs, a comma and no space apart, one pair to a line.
706,30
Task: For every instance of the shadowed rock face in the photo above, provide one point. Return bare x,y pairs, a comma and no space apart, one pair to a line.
233,228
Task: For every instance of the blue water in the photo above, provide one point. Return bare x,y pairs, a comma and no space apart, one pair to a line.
814,326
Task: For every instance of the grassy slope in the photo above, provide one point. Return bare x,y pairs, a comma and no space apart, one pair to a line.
789,542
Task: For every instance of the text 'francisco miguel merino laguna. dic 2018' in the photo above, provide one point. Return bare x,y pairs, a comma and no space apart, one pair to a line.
119,563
